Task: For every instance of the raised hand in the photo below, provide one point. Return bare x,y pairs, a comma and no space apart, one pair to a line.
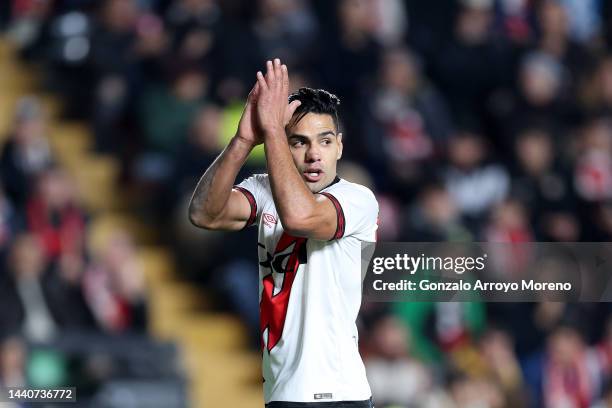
273,109
248,129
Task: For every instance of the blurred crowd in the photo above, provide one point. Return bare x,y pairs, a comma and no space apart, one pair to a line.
53,282
472,120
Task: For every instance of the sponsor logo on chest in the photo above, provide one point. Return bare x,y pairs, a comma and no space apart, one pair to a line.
269,220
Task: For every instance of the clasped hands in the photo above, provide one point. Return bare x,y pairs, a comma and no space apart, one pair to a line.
267,109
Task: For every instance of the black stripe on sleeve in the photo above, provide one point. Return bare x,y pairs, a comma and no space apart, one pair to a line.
253,204
341,222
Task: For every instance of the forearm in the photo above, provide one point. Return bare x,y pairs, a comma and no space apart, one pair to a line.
214,188
292,198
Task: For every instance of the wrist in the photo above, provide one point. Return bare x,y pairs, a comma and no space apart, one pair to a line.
241,145
273,131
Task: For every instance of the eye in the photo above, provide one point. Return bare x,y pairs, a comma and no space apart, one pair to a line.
297,143
326,141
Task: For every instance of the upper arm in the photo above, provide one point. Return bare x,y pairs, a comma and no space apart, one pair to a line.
239,212
321,223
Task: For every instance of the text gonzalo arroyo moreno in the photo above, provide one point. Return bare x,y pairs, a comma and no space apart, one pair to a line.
458,265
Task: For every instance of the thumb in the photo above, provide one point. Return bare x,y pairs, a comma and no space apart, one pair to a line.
252,97
292,107
291,110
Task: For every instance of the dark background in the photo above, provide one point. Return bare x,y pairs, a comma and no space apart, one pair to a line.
471,120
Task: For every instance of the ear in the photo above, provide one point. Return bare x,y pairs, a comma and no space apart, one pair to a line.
340,145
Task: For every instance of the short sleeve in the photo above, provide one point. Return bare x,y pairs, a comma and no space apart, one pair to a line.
356,209
253,188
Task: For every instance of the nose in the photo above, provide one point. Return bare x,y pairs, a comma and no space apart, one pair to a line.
313,154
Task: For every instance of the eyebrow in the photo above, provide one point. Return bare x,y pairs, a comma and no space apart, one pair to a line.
322,134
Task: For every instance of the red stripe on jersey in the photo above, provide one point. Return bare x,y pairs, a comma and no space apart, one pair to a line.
252,202
273,307
341,222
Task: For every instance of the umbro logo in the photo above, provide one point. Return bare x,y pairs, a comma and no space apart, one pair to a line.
269,220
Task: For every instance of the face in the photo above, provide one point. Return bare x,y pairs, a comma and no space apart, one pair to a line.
466,151
399,71
539,83
534,151
316,147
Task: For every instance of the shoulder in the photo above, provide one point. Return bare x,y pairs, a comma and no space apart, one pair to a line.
257,189
357,209
352,191
259,180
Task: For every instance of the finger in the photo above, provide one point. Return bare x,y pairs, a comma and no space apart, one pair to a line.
278,75
252,92
252,98
261,81
291,110
269,73
293,106
285,75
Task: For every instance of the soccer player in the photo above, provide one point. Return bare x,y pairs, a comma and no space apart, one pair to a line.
311,224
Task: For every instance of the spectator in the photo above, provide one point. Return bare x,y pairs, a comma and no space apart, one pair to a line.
26,153
543,185
542,97
40,298
28,23
395,377
65,286
391,22
502,366
118,88
555,39
514,21
10,223
198,151
472,392
350,50
599,224
474,184
439,328
509,223
13,360
114,286
472,64
567,372
167,112
597,92
406,120
114,39
584,20
434,218
26,308
185,14
593,171
194,27
54,214
286,30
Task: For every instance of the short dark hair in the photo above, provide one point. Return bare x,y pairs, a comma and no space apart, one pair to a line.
315,101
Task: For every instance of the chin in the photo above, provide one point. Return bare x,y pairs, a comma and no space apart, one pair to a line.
314,187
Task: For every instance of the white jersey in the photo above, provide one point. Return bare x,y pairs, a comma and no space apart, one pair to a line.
310,295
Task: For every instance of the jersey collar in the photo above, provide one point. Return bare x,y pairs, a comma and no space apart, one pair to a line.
336,180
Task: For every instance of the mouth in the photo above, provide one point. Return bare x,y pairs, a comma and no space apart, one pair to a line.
313,175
